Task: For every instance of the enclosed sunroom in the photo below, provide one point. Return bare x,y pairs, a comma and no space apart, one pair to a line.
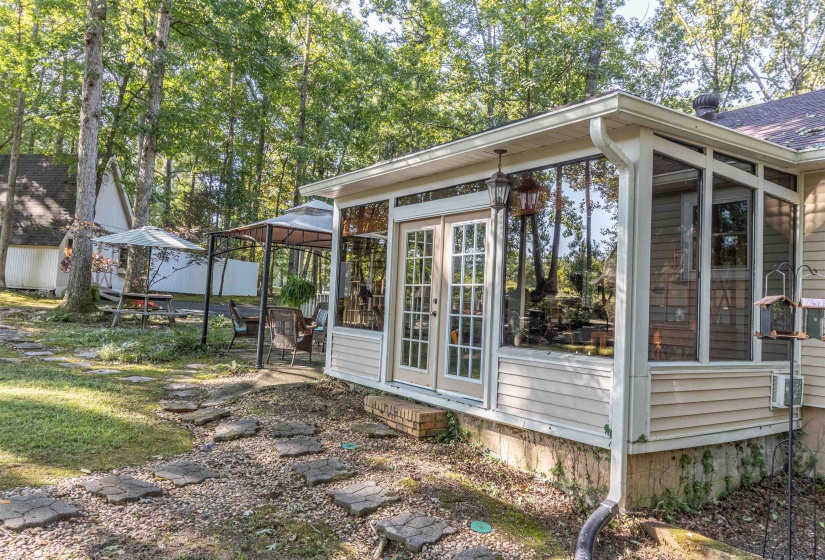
608,301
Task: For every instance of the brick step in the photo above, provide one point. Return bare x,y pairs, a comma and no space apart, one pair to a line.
418,420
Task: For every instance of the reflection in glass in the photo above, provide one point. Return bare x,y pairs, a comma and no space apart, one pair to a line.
561,259
361,280
731,284
439,194
674,261
418,266
780,178
777,248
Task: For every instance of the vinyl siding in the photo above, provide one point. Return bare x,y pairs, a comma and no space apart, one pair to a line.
576,396
358,355
32,268
701,402
813,351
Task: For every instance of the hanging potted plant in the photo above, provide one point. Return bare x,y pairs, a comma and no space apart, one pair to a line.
296,292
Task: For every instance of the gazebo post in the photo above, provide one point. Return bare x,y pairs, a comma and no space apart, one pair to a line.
210,252
259,356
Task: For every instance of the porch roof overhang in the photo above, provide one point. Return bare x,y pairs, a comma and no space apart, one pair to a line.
568,123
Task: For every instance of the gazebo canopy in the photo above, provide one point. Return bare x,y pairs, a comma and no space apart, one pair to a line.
148,236
307,225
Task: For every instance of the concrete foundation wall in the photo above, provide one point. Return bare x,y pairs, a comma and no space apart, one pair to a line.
693,476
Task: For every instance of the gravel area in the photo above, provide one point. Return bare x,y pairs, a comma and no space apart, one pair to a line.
260,508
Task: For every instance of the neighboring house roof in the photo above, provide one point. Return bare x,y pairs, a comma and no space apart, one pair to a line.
44,202
797,122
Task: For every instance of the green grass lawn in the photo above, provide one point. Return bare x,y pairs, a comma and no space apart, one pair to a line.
56,421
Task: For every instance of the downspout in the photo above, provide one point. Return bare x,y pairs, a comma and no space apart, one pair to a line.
622,361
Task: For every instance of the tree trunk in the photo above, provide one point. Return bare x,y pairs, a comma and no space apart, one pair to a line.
301,132
146,167
114,128
79,290
259,161
191,210
553,281
11,192
167,194
61,96
594,59
588,262
227,173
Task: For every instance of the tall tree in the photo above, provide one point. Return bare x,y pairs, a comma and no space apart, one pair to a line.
78,296
138,257
594,58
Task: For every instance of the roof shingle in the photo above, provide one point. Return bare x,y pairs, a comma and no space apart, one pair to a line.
44,203
797,122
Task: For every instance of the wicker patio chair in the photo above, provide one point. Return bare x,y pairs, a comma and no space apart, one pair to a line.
242,327
318,321
289,332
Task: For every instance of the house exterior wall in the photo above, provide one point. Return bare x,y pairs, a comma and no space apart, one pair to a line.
813,351
32,268
357,353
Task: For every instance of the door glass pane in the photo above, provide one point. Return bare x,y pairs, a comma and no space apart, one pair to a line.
731,285
674,262
464,340
777,248
418,265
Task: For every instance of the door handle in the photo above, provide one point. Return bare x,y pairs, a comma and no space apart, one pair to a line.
433,313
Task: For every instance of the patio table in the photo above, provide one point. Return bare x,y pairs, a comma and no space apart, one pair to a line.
163,300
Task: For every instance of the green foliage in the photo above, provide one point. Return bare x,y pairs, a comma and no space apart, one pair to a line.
454,432
296,291
60,316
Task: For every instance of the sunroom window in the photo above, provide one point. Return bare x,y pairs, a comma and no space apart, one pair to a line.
778,247
562,223
362,272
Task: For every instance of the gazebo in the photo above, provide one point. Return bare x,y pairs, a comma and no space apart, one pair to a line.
308,226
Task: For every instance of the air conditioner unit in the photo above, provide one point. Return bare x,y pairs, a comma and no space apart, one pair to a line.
781,390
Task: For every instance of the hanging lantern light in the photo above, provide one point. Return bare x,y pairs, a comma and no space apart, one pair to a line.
528,194
499,186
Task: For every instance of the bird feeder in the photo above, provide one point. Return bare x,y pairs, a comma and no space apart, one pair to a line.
813,317
776,318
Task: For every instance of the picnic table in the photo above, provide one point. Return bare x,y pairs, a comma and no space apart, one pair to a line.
164,301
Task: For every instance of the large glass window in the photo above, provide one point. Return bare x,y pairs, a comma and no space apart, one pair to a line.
780,178
562,226
731,289
777,248
440,194
674,261
362,272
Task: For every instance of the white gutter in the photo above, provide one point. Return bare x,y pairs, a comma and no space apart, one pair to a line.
622,358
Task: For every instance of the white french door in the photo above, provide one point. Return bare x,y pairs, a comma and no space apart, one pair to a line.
440,303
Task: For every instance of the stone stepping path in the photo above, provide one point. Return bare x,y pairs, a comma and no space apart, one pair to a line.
121,489
196,366
49,357
297,447
39,353
362,499
182,473
87,354
28,346
236,429
83,365
205,416
137,379
323,470
414,529
36,510
179,405
478,553
184,394
181,386
19,339
104,371
293,429
374,430
10,360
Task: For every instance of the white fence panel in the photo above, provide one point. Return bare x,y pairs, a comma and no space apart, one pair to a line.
309,307
32,268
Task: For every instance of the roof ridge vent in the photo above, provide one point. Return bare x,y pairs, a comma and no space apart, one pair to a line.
706,106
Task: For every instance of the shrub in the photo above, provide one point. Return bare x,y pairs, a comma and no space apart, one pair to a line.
296,292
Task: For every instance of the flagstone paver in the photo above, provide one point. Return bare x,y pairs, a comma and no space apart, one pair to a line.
39,353
196,366
50,358
374,430
75,364
180,386
179,405
184,472
105,371
121,489
296,447
323,470
10,360
235,429
183,394
35,510
88,354
27,346
205,416
137,379
414,529
362,499
293,429
20,338
478,553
